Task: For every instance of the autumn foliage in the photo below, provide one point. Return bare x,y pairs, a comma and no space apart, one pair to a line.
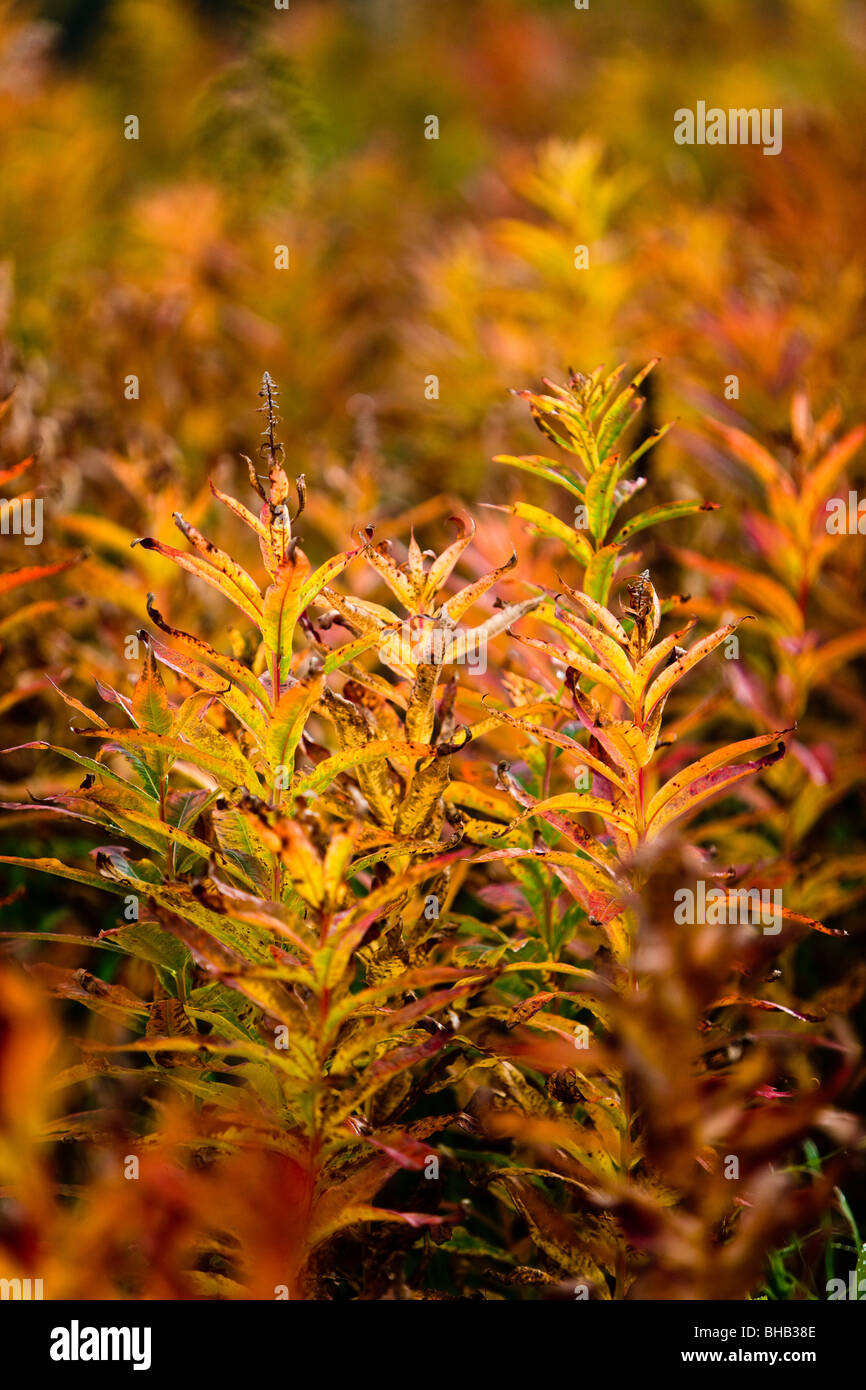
346,814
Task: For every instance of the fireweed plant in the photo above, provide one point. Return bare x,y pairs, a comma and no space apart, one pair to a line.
797,585
397,980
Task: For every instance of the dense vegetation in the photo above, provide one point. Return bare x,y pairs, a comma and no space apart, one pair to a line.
432,866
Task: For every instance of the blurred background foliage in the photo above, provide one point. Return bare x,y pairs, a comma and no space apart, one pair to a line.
413,257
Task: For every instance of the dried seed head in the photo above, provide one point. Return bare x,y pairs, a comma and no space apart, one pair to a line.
562,1085
642,604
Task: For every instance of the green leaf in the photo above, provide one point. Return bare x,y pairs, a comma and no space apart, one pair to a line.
546,524
601,494
212,752
600,571
147,941
666,511
622,411
70,871
282,608
214,577
287,723
545,468
377,748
